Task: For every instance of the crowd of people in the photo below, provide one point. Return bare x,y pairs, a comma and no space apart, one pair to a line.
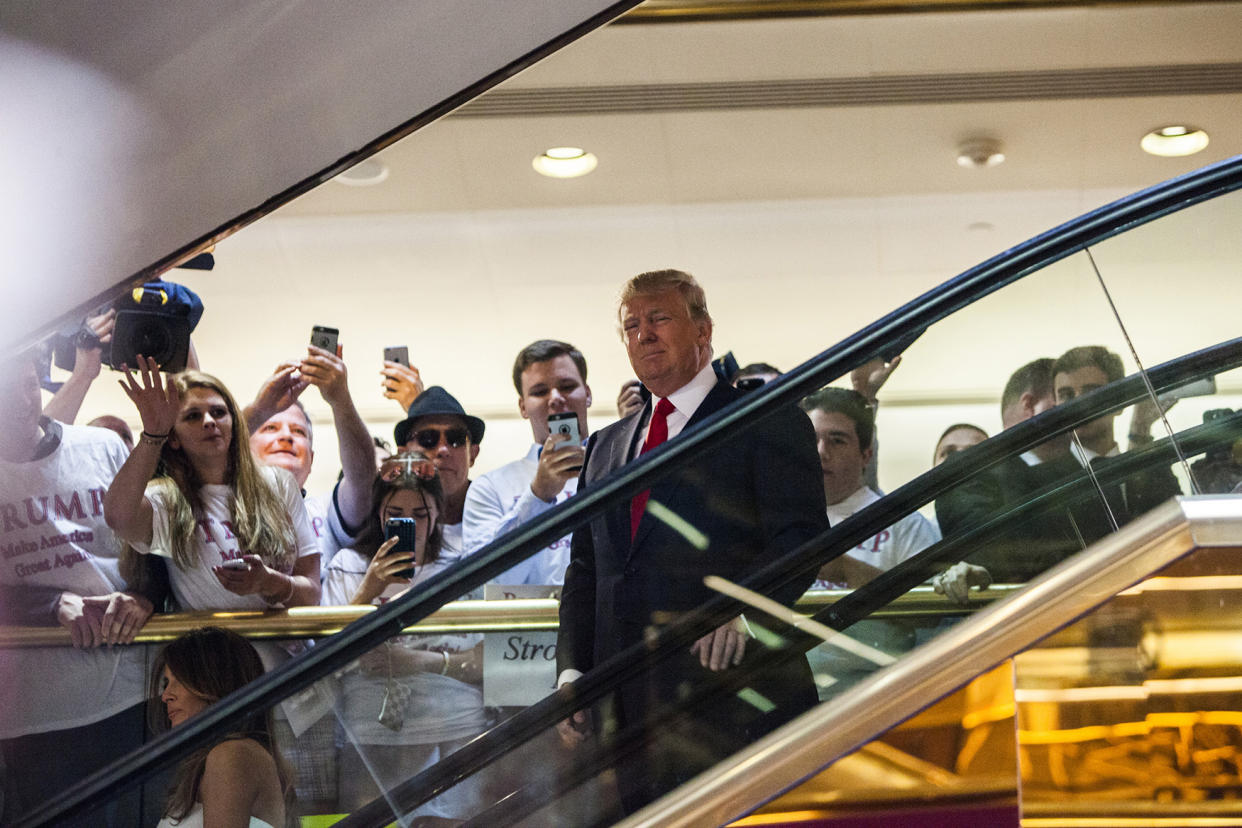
207,510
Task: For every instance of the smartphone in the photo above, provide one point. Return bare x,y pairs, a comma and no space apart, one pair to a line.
324,337
1195,388
399,354
236,563
750,383
565,423
403,528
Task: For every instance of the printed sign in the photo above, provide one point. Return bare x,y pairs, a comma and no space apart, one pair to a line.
519,667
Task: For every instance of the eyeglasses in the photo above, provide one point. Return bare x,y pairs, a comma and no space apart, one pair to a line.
429,438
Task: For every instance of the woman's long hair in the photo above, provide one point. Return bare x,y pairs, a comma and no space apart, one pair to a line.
211,662
371,535
260,518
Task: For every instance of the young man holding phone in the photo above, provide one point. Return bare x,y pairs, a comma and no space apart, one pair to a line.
550,379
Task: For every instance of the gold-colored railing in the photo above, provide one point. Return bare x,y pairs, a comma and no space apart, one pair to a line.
459,616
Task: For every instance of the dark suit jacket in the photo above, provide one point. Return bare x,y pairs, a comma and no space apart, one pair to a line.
756,496
1023,549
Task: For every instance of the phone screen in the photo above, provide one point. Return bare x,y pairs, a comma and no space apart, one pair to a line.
565,423
403,528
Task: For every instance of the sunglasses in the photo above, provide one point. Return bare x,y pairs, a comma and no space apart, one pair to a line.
429,438
407,464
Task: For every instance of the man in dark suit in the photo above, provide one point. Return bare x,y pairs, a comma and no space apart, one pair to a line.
1024,549
754,497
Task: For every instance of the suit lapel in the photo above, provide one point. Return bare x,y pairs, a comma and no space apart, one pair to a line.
619,451
665,490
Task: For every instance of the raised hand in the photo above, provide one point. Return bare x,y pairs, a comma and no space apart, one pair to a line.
870,377
326,371
156,397
89,361
401,383
278,392
630,399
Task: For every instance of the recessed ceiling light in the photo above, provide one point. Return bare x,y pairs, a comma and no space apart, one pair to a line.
979,153
1174,141
564,162
366,173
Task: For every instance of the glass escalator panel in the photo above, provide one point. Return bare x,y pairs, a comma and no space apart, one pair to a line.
678,613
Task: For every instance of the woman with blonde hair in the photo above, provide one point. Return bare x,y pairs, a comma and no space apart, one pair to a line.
240,779
236,531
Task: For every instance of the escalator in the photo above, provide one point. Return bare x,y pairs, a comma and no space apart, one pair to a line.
874,669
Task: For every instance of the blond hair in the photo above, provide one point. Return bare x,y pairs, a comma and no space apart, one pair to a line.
261,520
658,281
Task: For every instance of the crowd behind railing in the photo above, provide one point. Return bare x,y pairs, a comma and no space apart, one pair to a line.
206,510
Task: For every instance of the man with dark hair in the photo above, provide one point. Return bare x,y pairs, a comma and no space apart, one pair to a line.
439,427
550,378
844,434
1022,551
761,371
728,513
1081,370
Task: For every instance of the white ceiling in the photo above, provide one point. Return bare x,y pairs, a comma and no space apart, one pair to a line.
803,223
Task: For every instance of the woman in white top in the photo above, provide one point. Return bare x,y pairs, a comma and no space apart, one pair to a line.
240,780
236,531
414,699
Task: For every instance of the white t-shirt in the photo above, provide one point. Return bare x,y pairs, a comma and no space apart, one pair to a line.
888,547
325,523
439,708
198,588
501,501
52,533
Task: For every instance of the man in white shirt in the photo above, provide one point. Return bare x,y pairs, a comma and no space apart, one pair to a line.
64,712
844,434
550,378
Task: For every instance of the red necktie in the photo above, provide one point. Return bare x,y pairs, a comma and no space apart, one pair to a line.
657,433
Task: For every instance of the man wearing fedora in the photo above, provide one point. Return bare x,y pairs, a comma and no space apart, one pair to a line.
438,426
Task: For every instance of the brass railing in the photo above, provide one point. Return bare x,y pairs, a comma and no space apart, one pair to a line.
459,616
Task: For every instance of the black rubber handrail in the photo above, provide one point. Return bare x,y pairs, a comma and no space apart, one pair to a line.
597,683
334,653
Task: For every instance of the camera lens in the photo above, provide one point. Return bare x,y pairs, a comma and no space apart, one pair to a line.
152,340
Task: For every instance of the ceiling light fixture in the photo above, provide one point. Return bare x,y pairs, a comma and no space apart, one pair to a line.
366,173
979,153
1174,141
564,162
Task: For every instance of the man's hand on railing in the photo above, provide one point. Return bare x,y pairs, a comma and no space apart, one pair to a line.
955,582
723,647
109,619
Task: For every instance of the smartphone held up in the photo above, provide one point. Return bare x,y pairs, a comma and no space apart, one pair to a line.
402,528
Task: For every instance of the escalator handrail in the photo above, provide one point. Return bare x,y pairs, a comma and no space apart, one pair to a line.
893,694
502,554
534,719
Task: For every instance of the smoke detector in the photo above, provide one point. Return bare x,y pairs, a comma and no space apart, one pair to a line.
979,153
